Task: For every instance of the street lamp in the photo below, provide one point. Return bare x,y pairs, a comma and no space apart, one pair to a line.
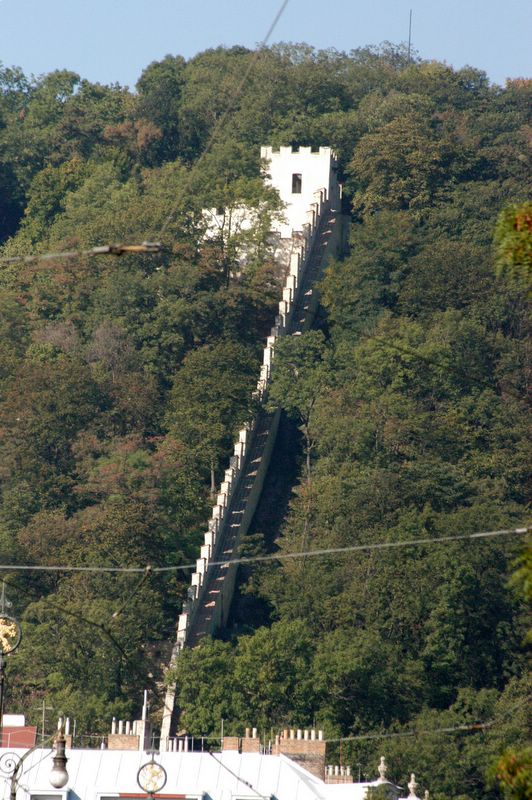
59,775
11,763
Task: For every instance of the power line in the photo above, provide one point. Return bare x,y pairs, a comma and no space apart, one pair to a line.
444,363
156,247
457,729
409,35
102,250
228,111
147,573
475,726
273,556
62,610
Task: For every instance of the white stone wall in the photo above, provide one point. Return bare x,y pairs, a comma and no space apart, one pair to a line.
300,252
304,221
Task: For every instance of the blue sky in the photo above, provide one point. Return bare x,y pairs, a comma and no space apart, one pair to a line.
113,40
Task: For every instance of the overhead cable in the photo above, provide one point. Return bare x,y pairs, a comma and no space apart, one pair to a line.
279,556
474,726
228,111
102,250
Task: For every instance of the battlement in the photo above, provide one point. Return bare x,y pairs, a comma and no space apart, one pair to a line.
298,173
267,152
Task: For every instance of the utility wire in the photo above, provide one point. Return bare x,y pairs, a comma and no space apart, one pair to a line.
103,250
475,726
234,774
271,557
444,363
459,728
147,573
228,111
62,610
156,247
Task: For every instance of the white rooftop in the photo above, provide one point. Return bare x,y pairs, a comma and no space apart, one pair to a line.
99,774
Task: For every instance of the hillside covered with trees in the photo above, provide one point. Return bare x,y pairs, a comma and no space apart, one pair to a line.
123,381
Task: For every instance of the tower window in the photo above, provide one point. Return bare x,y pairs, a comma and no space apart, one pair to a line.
296,183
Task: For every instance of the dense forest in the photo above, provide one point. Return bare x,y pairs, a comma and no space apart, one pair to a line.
123,381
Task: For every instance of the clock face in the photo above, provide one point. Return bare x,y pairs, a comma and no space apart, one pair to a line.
10,634
151,777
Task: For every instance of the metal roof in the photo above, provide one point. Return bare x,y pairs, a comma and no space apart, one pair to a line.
94,774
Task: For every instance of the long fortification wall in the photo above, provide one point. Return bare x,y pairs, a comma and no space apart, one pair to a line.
240,490
210,549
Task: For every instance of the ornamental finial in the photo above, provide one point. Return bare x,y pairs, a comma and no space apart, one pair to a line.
412,785
382,770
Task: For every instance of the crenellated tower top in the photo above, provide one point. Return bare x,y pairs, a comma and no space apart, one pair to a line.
297,173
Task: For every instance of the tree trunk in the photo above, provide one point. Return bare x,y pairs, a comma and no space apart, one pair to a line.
308,448
213,484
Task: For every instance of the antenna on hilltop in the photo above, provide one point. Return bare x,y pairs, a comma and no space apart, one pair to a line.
409,35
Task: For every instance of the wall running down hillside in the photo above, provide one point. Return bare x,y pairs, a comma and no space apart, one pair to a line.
212,584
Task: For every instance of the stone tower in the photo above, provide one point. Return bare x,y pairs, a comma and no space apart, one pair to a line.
297,173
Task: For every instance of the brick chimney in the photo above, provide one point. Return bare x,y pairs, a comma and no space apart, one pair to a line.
129,736
249,743
305,747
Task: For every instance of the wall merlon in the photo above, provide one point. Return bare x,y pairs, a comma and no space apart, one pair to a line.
221,500
267,356
291,283
325,151
295,261
201,566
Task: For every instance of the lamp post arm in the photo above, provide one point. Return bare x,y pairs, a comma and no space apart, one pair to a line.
16,772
